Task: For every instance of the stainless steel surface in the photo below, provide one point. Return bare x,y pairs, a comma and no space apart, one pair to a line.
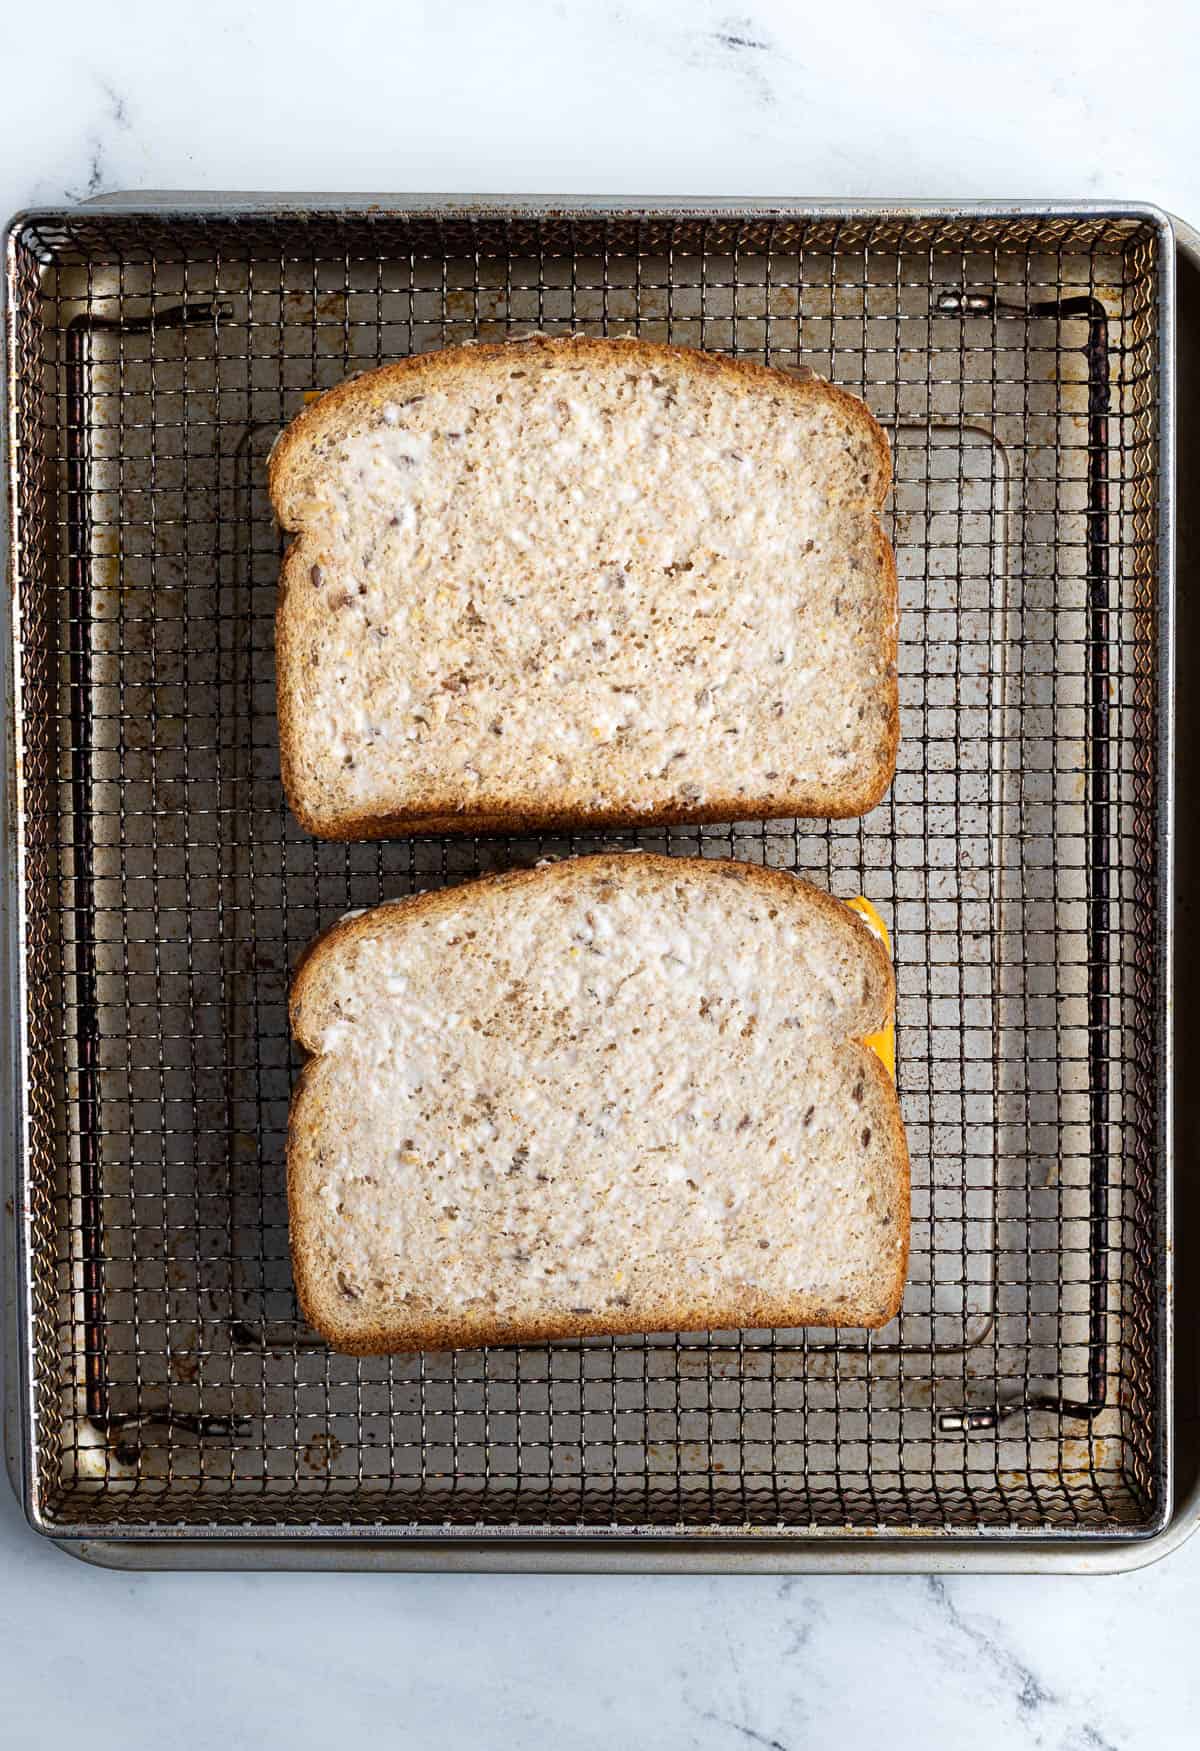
1021,861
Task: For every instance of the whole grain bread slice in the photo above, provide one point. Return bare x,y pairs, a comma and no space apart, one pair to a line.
574,581
618,1093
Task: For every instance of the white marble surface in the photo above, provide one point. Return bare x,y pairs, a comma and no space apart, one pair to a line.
880,98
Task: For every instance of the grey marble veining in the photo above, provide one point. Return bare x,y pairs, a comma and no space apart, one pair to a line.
684,96
998,1661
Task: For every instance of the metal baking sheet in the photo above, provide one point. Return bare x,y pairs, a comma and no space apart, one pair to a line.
1020,861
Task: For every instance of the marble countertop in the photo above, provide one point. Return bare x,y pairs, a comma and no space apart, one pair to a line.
717,97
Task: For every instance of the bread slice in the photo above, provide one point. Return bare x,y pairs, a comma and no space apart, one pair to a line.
576,581
618,1093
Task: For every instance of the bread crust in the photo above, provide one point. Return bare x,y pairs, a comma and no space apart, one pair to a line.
346,407
429,1328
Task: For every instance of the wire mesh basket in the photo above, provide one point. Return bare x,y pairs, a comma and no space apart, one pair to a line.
164,894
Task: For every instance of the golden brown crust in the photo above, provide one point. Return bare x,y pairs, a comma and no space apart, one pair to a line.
429,1329
716,869
342,406
347,405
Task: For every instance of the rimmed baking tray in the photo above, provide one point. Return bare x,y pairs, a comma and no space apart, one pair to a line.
169,1404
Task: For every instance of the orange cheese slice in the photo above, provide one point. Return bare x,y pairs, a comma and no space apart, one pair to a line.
883,1044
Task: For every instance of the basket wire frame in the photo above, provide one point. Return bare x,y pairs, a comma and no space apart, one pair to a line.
167,892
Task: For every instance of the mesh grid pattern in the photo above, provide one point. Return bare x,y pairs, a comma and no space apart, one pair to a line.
168,893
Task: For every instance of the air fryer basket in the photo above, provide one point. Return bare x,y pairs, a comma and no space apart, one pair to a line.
162,893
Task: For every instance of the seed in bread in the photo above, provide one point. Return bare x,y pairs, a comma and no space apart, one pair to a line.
582,581
619,1093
